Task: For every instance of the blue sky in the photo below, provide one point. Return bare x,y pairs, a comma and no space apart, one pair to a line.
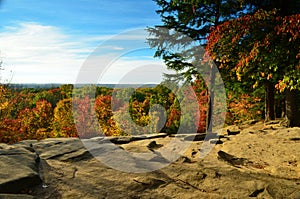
49,41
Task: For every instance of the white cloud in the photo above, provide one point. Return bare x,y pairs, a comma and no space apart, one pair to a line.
134,71
131,34
37,53
110,47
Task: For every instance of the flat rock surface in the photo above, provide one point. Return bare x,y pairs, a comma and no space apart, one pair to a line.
16,196
260,161
19,170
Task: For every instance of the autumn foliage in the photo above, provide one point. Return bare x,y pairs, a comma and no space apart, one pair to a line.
255,47
25,117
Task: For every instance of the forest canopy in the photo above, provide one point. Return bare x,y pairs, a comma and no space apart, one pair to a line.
255,45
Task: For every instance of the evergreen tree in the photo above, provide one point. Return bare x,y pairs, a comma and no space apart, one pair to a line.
186,24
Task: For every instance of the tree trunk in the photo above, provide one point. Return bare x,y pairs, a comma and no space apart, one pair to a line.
270,102
293,107
280,107
211,100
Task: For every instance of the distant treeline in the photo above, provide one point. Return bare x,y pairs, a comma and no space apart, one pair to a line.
55,85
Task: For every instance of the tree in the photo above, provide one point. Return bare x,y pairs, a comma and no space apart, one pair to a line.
4,101
4,97
290,35
85,117
63,121
66,90
36,122
193,20
9,128
51,95
263,47
105,116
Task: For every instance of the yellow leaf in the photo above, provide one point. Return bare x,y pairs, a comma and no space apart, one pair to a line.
3,105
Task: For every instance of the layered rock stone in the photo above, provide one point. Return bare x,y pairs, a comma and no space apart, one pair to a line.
261,161
19,168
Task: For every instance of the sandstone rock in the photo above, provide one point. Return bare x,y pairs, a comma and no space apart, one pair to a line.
121,140
195,137
128,139
154,136
184,159
234,161
153,145
216,141
229,132
148,182
70,149
258,165
16,196
19,169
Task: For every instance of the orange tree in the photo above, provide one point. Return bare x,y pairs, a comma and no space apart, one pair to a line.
85,117
9,127
104,115
36,123
262,48
202,98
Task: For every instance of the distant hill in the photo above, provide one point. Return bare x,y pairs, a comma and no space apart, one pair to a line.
50,85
